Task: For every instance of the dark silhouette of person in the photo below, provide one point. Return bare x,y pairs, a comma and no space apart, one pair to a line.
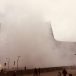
59,73
2,72
14,74
64,72
25,68
70,74
39,71
35,72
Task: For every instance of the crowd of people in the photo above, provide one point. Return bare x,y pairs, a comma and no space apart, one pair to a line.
36,72
64,73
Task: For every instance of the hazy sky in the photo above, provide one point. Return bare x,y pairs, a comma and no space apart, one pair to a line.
61,14
25,27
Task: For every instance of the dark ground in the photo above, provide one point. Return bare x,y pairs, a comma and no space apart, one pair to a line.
55,73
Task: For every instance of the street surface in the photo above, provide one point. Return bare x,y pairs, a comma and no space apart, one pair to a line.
55,73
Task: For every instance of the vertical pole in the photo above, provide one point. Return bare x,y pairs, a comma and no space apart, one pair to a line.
18,61
14,65
8,60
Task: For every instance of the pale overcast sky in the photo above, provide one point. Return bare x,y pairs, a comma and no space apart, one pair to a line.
61,14
25,24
